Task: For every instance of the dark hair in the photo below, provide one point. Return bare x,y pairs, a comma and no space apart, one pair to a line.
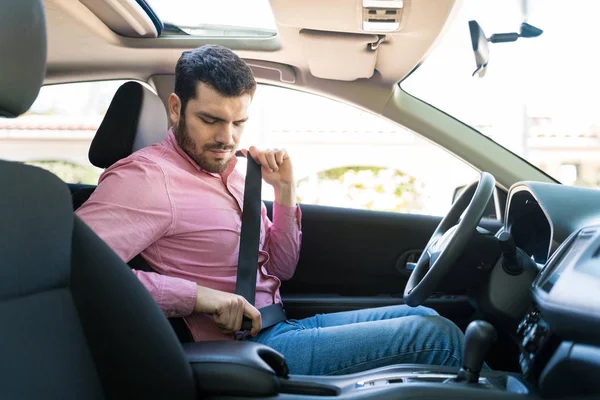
216,66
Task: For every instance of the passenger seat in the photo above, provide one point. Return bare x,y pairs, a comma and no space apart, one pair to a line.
136,118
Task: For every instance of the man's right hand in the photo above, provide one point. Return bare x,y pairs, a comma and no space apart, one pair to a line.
227,310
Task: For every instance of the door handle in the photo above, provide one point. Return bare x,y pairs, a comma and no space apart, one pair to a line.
406,263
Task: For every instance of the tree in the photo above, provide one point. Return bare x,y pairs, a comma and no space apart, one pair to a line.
69,172
363,187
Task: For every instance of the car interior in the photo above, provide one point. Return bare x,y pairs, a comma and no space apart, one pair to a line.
513,266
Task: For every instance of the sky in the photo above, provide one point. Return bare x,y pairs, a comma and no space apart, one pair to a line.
555,74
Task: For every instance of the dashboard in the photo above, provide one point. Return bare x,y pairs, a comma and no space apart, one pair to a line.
529,226
559,337
541,216
567,291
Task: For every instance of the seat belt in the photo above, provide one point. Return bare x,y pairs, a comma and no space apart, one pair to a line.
248,254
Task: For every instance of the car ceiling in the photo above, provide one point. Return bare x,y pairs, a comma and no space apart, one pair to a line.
315,37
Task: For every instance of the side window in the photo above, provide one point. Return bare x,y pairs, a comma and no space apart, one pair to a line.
346,157
56,133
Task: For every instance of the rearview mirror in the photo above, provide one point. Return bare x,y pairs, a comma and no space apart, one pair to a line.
479,42
480,48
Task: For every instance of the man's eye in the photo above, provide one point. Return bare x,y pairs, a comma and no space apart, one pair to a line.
208,121
239,123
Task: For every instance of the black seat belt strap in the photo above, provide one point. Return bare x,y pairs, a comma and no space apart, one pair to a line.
245,285
248,254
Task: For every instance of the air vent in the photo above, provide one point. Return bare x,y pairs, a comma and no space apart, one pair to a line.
587,232
596,253
581,241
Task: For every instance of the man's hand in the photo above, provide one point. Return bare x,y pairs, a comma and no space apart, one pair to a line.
277,171
227,310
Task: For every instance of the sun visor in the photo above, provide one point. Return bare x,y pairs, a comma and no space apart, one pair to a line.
340,56
130,18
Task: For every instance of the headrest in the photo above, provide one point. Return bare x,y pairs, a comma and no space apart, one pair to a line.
35,231
22,54
136,118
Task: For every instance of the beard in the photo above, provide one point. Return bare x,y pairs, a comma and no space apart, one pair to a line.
202,159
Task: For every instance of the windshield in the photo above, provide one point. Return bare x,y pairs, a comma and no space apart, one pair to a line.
539,97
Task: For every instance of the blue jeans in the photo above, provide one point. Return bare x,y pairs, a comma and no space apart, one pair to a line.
353,341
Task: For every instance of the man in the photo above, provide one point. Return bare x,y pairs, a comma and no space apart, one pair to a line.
179,204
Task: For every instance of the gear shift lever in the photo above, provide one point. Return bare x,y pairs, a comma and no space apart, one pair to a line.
478,338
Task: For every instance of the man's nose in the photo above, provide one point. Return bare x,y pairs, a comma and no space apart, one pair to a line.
225,134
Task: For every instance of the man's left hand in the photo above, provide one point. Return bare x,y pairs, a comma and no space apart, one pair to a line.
277,171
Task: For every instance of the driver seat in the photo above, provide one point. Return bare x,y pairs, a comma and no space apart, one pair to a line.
76,323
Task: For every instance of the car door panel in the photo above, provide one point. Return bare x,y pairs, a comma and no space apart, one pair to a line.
353,259
453,307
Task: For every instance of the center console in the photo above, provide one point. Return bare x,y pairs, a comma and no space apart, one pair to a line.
412,381
560,346
244,369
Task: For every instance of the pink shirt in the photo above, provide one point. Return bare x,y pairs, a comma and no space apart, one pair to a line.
186,223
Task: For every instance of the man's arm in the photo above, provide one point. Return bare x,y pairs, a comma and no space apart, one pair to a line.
130,210
283,235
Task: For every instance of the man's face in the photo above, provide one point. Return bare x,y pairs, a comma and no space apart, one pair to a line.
210,128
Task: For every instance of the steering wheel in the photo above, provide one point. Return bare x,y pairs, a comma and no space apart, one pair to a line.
449,240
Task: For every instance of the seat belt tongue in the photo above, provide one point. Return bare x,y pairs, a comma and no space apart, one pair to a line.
247,324
244,332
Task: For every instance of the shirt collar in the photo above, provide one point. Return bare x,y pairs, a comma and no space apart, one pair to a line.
171,142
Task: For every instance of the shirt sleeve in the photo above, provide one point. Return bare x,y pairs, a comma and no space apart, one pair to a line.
130,210
283,239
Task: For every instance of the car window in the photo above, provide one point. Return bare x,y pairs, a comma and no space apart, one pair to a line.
56,133
538,96
346,157
343,156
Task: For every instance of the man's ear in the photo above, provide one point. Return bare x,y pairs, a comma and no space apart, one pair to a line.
174,109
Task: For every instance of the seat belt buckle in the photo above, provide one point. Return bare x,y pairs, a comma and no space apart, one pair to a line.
241,335
244,332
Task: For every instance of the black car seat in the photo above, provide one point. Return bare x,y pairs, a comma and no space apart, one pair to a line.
76,323
136,118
